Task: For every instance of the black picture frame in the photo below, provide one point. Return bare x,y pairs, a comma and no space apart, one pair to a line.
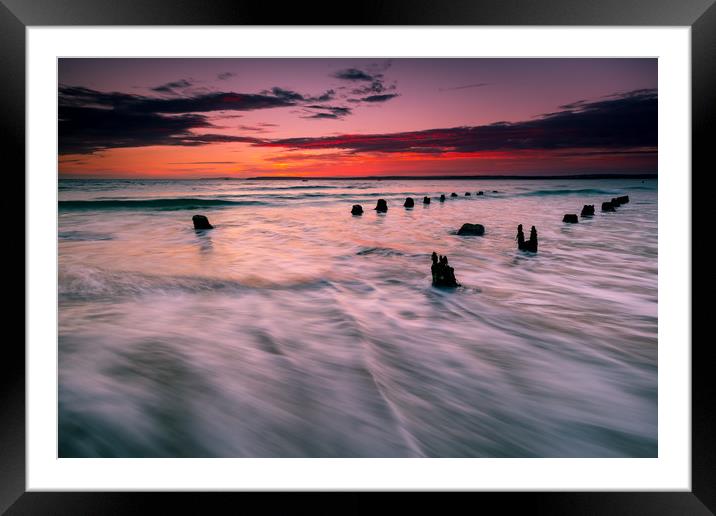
17,15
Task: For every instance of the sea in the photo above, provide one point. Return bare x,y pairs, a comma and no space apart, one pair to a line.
295,329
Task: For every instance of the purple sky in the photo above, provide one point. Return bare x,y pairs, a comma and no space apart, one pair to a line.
253,117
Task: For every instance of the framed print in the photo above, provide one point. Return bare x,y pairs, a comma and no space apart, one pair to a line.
426,250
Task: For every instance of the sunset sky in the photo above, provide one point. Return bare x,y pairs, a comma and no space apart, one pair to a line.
190,118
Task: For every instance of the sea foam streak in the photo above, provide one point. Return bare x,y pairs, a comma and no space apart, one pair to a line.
294,329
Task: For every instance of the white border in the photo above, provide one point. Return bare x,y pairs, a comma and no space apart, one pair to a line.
671,471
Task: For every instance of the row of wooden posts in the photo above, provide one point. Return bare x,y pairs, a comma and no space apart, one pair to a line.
443,275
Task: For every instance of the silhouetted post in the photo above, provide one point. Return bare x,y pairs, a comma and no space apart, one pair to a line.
453,194
587,210
443,274
467,194
529,245
608,206
201,222
471,229
409,203
570,218
426,200
382,206
357,209
442,197
532,243
520,238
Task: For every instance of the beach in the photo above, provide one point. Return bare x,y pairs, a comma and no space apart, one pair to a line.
295,329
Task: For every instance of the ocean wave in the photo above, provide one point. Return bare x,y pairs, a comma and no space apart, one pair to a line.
568,191
158,204
305,187
88,283
83,236
381,251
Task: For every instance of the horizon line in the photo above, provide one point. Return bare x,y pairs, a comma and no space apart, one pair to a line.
621,175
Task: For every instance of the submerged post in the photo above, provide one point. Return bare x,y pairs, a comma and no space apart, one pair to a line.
201,222
529,245
443,274
587,210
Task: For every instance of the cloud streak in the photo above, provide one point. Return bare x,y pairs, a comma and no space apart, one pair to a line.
91,121
372,92
353,74
379,98
170,87
623,122
466,86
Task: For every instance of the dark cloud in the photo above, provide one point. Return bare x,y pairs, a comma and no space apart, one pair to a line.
353,74
296,97
372,92
627,121
375,87
297,156
205,102
171,86
91,121
288,95
328,111
225,75
327,96
466,86
84,130
379,98
323,116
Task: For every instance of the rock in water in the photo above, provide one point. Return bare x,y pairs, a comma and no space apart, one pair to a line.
201,222
608,206
571,218
443,274
471,229
531,244
467,194
587,210
615,202
623,199
409,203
382,206
442,197
426,200
357,209
453,194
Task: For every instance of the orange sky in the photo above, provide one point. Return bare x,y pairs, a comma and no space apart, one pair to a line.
190,118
